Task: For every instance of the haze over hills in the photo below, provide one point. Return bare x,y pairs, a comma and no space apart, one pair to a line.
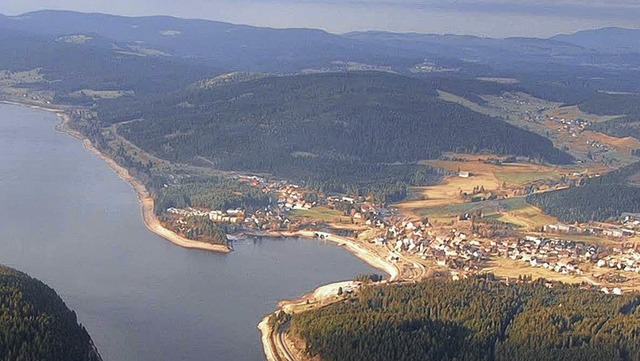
613,40
241,47
231,46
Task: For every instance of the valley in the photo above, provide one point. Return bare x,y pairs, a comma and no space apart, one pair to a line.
501,172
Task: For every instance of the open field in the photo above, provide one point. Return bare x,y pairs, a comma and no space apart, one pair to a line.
102,94
523,177
514,211
320,214
505,180
598,240
545,118
508,268
524,215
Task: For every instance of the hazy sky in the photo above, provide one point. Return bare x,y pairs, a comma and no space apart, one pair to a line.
479,17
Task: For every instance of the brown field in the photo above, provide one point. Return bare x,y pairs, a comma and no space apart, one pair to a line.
321,214
527,217
508,268
490,176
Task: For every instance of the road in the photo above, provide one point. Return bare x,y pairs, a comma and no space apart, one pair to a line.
282,344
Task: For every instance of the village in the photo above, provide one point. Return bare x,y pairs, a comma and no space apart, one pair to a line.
460,247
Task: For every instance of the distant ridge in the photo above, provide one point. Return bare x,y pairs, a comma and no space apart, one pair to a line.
612,39
259,49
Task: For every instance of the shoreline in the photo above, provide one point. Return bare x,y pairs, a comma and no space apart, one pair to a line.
144,197
273,343
273,349
373,260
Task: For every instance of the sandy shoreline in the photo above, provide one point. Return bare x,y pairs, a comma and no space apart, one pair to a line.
271,342
144,197
352,246
272,349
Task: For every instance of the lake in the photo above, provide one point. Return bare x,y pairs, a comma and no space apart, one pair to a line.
68,220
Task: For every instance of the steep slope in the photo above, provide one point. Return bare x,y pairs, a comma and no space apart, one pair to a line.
35,324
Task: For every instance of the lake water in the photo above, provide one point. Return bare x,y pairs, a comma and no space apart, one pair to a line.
68,220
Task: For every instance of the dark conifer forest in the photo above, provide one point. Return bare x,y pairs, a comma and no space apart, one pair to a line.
599,199
35,324
474,319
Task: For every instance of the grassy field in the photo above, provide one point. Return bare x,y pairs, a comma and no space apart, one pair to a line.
523,177
445,201
598,240
515,211
320,214
102,94
506,267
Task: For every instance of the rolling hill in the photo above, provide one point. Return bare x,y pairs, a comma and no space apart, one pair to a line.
283,51
229,46
330,128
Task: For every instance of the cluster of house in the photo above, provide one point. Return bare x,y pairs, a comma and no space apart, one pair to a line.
622,259
292,197
588,230
268,219
599,147
557,255
571,126
630,221
231,216
453,251
457,251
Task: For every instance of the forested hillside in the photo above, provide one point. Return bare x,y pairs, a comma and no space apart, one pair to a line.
589,203
35,324
625,105
330,129
598,199
474,319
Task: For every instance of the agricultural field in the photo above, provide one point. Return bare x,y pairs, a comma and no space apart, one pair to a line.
558,123
505,180
514,211
320,214
508,268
